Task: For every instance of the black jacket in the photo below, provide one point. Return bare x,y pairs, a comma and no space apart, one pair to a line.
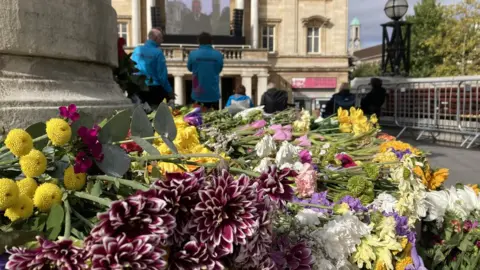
343,99
372,103
274,100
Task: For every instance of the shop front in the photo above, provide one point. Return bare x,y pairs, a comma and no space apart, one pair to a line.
313,93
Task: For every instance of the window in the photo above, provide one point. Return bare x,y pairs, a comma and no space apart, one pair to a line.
313,39
123,30
268,38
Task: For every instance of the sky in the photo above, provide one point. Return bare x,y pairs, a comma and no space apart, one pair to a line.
371,15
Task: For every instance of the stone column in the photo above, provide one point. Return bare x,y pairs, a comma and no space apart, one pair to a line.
220,88
51,56
136,23
150,4
254,22
239,4
262,82
247,82
179,89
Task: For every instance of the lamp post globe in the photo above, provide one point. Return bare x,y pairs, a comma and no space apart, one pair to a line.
396,9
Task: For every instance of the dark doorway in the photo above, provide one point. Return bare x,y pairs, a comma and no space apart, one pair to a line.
228,84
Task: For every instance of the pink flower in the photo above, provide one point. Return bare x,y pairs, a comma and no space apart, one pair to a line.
260,133
305,156
258,124
282,133
306,181
346,160
82,163
303,141
89,136
70,112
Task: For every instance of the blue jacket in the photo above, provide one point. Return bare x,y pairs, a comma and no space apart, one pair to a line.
239,98
151,63
205,63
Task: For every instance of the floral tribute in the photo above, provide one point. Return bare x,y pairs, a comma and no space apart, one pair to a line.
186,189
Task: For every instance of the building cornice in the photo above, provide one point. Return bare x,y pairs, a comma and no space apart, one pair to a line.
310,56
310,69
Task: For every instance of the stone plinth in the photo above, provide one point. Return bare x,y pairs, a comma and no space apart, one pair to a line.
57,52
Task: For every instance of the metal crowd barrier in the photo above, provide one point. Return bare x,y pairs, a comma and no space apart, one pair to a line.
441,106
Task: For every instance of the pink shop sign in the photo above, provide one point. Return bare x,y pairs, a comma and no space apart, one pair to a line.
315,82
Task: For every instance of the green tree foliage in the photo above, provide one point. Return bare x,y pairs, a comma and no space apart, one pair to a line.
429,14
366,70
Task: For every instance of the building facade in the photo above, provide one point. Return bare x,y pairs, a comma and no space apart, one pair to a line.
300,45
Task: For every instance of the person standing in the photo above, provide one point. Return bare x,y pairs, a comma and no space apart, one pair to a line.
343,99
274,100
372,103
150,62
205,63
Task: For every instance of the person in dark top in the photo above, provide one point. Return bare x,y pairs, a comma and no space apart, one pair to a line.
372,103
274,100
196,22
343,99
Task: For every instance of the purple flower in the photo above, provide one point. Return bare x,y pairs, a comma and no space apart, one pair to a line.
277,183
417,261
292,257
282,133
82,163
354,203
70,112
401,226
194,256
258,124
303,141
317,198
21,258
467,225
346,160
194,118
400,154
305,156
259,133
3,261
88,136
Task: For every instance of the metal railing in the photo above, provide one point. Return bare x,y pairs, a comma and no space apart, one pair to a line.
437,106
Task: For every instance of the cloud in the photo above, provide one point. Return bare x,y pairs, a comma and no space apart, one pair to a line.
371,15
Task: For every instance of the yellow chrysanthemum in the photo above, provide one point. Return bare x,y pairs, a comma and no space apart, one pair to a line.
385,157
72,180
398,146
8,193
438,177
475,188
19,142
58,131
343,117
23,209
167,167
27,186
33,164
46,196
345,127
403,263
404,243
374,119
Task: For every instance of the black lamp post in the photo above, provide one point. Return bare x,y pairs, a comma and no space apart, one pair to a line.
396,46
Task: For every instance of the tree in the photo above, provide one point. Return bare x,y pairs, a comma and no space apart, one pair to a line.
428,15
366,70
458,40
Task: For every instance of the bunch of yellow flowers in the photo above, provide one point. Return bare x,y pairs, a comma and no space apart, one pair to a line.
303,124
398,146
354,121
431,179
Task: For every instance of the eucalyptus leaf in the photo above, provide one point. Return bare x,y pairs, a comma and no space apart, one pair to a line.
15,238
60,167
170,144
116,161
85,120
146,146
438,257
116,129
164,123
97,189
54,221
37,130
141,125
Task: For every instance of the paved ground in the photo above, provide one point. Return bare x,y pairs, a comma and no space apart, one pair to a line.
464,164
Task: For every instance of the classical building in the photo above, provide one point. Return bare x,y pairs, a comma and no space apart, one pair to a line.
300,45
354,42
370,55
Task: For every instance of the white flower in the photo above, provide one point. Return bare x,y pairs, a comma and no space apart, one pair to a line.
318,120
469,199
437,202
286,154
385,203
326,146
264,164
322,152
308,217
265,147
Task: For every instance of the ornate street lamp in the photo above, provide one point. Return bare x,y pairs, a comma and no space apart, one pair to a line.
396,46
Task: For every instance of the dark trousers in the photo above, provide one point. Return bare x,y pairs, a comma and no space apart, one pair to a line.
206,106
155,95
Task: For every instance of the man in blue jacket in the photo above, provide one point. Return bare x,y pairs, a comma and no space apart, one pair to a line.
205,63
151,63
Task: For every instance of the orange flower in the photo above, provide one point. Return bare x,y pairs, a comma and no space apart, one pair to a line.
386,137
431,180
475,188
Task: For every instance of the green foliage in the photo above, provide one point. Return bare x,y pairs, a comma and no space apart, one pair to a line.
85,120
116,129
366,70
116,161
38,130
55,221
141,125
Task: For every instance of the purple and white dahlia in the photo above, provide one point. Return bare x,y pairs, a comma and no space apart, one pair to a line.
141,214
21,258
180,192
277,183
226,213
194,256
118,253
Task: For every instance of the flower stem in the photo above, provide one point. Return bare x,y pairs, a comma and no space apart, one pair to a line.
82,218
179,156
130,183
68,219
145,138
4,154
83,195
312,205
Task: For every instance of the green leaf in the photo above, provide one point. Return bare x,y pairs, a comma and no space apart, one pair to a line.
146,146
116,161
156,173
39,222
15,238
97,189
164,123
170,144
54,221
465,244
37,130
60,167
116,129
141,125
85,120
241,150
438,258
